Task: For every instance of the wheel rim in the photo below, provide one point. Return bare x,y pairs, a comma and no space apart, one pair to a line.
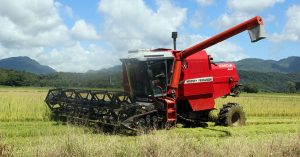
235,119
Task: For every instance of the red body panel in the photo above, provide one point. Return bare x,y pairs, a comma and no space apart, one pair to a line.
202,81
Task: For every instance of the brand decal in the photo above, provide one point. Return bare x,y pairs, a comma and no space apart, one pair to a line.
225,65
198,80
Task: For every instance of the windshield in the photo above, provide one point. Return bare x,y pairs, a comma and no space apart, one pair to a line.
149,78
139,80
158,77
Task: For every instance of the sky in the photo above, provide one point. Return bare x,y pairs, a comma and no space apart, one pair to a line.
82,35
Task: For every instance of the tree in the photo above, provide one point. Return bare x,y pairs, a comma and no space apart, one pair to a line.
297,86
15,79
250,88
291,87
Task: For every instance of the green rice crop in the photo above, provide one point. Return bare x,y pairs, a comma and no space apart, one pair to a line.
23,104
273,129
27,104
272,104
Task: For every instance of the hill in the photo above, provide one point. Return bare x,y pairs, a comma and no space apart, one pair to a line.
26,64
286,65
269,81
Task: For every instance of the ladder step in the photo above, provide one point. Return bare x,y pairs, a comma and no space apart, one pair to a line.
171,111
171,119
171,105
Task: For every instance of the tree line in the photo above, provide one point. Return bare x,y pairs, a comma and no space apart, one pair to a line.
252,81
61,79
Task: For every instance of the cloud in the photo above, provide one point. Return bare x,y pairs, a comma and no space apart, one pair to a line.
31,23
69,12
291,30
84,31
195,21
228,20
227,51
242,10
205,2
77,58
135,25
31,52
269,18
35,28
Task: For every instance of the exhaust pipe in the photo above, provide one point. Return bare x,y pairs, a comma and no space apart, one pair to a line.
174,36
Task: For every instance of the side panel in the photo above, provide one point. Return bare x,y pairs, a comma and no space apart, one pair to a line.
225,77
196,83
196,76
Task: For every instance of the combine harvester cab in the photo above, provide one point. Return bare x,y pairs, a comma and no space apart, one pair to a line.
162,87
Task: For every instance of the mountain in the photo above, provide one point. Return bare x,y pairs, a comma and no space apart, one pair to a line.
287,65
24,63
113,69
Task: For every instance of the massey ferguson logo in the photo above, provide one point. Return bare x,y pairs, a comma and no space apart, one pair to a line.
199,80
225,65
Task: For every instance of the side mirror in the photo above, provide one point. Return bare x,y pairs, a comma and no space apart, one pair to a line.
257,33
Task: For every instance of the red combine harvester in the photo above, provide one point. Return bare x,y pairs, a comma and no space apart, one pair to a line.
162,87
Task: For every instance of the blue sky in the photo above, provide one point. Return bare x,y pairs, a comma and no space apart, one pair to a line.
82,35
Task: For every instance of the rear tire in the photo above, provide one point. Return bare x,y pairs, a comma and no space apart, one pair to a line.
231,114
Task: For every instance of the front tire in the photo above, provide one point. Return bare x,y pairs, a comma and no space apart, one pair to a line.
231,114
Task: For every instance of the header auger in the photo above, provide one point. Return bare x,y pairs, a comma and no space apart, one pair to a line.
162,87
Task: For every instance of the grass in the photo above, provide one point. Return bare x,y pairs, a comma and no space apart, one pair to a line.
266,104
273,129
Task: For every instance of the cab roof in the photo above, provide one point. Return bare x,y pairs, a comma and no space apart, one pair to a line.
148,54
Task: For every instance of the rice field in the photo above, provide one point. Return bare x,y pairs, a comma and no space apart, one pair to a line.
273,129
